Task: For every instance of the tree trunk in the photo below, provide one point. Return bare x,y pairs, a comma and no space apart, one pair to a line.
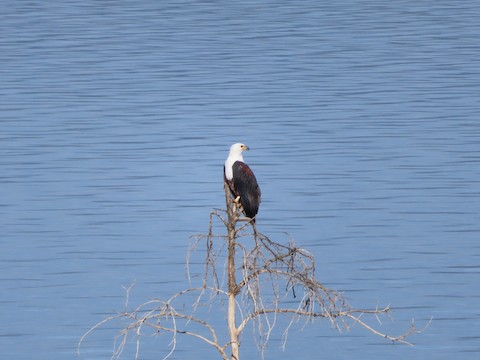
232,282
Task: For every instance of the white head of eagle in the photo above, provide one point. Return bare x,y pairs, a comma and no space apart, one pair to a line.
242,181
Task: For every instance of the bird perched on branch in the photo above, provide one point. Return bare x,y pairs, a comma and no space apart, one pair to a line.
242,181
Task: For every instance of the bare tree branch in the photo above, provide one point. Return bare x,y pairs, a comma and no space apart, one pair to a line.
271,277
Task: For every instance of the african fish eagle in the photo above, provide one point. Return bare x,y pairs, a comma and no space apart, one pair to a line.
242,181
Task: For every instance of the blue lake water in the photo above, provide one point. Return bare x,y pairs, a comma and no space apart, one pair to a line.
364,129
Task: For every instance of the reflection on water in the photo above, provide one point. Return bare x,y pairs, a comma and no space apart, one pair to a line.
116,120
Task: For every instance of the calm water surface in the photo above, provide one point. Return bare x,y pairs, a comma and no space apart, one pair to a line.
363,120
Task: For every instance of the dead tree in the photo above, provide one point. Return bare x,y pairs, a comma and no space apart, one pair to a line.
260,274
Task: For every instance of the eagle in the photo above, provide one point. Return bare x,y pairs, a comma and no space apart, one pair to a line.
242,181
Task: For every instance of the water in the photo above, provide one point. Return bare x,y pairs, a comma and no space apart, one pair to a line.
363,122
